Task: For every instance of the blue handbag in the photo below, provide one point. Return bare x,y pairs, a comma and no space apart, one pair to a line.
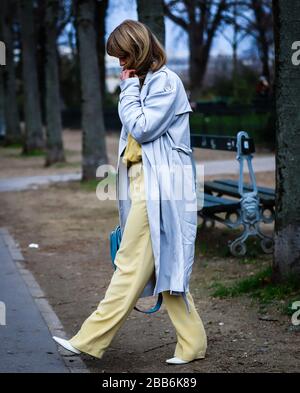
115,241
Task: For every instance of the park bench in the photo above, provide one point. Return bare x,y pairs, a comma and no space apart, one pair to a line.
249,204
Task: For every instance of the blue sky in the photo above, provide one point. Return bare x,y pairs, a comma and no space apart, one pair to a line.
126,9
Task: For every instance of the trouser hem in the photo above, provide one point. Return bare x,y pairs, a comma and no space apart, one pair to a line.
200,356
87,351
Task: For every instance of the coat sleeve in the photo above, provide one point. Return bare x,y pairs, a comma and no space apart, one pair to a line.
147,120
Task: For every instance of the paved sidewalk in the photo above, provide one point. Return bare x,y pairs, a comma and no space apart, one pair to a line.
231,167
26,344
27,182
260,164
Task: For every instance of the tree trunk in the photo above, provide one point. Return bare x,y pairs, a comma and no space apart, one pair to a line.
152,14
40,16
235,42
93,130
265,58
262,40
12,120
2,115
286,262
100,15
34,138
55,151
199,56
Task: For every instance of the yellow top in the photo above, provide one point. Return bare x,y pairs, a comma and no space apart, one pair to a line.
133,151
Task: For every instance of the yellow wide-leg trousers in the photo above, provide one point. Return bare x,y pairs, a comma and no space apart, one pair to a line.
135,266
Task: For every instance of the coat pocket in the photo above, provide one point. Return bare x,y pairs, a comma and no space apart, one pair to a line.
189,232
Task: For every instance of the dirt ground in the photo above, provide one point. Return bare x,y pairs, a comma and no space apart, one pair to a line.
73,267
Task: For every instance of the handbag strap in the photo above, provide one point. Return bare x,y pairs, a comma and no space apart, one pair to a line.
153,309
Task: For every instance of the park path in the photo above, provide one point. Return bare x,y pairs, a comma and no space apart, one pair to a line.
231,167
260,164
27,322
28,182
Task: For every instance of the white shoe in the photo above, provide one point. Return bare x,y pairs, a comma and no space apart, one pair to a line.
176,360
66,345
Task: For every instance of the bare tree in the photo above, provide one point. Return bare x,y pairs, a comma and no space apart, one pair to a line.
237,36
12,120
93,130
263,17
201,19
259,25
55,151
34,138
286,260
152,14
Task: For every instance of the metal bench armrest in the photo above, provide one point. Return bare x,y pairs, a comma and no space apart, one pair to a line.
241,157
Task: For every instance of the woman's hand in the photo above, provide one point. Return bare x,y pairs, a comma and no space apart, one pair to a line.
127,74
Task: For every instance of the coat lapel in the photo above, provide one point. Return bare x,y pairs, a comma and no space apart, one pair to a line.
149,75
144,88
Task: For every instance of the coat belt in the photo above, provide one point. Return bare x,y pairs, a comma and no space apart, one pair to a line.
185,149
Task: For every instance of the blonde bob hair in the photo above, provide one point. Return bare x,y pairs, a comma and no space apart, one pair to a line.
134,41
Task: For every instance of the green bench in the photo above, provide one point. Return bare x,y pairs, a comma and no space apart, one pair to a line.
226,199
230,187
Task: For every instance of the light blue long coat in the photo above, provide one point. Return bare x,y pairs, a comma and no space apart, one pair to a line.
157,116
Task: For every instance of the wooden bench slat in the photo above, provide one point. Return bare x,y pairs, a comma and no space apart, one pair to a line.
216,186
226,188
262,190
232,189
217,204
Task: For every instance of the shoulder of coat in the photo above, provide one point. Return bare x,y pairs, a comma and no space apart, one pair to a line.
164,78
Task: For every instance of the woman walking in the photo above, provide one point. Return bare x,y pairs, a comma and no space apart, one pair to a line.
158,224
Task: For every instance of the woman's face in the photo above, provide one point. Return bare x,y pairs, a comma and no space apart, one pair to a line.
122,61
